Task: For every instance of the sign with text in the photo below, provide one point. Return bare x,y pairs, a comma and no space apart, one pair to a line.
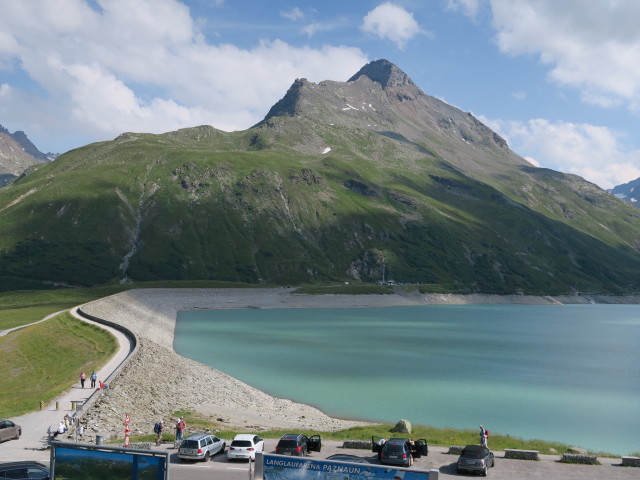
282,467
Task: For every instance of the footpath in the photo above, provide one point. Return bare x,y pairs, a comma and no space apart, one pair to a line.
33,444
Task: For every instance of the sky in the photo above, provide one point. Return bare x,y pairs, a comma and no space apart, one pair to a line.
558,79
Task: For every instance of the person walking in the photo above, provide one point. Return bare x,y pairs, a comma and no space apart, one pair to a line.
93,378
83,377
180,426
158,429
484,433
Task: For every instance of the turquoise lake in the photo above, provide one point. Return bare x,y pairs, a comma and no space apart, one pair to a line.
564,373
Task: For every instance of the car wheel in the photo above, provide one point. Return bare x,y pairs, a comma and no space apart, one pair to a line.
207,456
224,445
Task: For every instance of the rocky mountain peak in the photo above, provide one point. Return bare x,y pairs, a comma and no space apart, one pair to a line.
28,146
17,154
383,72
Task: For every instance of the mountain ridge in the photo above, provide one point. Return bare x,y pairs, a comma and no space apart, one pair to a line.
341,181
18,154
629,192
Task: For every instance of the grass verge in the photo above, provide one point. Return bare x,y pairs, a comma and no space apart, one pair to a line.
39,362
443,437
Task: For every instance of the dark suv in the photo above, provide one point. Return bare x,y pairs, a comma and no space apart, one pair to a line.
399,451
298,444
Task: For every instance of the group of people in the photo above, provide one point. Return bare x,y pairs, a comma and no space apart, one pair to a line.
94,378
63,425
180,427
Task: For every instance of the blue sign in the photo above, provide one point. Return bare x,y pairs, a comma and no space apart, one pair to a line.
282,467
74,461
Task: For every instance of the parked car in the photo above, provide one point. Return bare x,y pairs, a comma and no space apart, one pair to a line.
298,444
200,446
245,446
399,451
341,457
9,430
475,459
24,470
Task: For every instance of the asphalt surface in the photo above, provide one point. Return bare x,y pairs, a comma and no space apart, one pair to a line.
548,468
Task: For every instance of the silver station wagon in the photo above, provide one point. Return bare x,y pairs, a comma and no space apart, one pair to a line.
9,430
200,446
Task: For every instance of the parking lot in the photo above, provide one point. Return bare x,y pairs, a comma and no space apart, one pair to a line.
547,468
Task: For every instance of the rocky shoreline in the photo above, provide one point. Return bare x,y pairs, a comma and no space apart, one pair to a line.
157,381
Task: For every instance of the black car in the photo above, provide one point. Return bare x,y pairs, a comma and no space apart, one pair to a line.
399,451
475,459
24,470
298,444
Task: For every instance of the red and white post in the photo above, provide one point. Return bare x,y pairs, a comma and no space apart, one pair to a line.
127,419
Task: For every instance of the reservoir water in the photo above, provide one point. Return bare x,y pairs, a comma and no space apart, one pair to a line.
564,373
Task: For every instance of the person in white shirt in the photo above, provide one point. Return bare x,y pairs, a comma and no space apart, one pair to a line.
61,429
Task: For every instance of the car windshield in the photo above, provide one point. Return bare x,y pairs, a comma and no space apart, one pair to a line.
241,443
287,444
472,453
189,444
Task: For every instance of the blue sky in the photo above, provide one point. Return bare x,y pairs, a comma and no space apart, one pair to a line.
558,79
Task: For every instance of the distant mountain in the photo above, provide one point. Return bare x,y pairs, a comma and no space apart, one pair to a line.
18,154
342,181
629,192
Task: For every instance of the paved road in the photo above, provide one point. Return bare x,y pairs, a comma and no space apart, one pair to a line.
548,468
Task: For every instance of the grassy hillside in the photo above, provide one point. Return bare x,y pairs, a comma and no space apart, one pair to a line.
152,207
343,181
41,361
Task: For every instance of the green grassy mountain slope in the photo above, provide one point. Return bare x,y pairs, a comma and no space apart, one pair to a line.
342,181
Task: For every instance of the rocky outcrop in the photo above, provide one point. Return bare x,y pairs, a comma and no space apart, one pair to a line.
17,154
403,426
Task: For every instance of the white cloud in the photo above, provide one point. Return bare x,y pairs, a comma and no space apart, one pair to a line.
591,45
595,153
144,66
469,7
293,14
313,28
392,22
